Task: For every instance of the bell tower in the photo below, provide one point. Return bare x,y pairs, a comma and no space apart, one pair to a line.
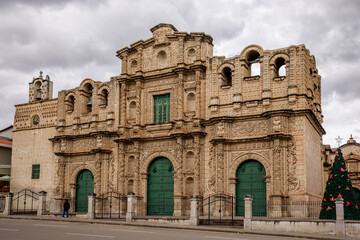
40,89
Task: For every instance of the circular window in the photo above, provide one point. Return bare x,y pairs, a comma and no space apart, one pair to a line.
35,119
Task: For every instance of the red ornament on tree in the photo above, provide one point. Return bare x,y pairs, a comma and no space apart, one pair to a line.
332,199
356,206
347,188
336,154
347,203
341,169
339,195
324,199
328,208
331,175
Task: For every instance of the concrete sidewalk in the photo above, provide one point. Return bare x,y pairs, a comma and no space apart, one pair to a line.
172,226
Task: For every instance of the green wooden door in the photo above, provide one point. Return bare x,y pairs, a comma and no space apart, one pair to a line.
84,186
160,188
251,180
162,108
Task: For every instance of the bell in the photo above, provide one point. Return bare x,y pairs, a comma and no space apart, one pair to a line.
89,104
38,95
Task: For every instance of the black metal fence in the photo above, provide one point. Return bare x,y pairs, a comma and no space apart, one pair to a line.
289,209
109,205
25,202
218,209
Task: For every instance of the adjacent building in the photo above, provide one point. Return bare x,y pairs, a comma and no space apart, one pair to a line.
351,154
5,158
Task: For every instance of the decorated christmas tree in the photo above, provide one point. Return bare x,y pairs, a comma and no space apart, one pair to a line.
339,185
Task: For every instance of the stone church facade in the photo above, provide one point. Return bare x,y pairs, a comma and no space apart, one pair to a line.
208,122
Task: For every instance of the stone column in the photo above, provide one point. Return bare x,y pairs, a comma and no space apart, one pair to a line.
194,211
130,212
340,223
42,203
91,206
138,105
72,197
8,203
123,104
248,211
198,94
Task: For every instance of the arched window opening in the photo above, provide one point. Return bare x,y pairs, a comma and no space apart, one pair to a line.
191,102
280,67
132,110
226,77
88,88
37,91
162,59
104,98
189,161
253,59
70,103
191,55
133,66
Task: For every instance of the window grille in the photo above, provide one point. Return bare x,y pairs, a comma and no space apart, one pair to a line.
35,174
162,108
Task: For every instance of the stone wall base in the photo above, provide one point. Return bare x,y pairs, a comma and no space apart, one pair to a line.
313,226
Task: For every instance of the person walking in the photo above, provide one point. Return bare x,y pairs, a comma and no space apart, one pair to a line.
66,208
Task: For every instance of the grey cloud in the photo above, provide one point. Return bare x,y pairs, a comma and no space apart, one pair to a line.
71,40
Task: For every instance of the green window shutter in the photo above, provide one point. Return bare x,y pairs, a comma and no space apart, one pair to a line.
162,108
35,173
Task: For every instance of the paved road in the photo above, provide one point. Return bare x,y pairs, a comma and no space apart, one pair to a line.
11,229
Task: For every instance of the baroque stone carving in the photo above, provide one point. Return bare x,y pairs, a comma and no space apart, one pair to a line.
276,124
293,181
211,166
249,128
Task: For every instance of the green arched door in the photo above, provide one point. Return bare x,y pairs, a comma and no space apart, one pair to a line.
84,186
251,180
160,188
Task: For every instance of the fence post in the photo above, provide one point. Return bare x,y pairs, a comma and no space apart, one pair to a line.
248,211
41,203
340,223
91,206
194,211
130,212
8,203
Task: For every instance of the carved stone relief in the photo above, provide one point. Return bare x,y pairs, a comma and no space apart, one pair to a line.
293,181
249,128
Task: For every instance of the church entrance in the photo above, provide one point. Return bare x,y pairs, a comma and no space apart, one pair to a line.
251,180
160,188
84,186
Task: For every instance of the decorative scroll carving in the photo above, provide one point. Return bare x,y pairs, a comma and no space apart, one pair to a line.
220,166
211,166
221,129
291,162
112,174
250,128
276,124
60,176
97,177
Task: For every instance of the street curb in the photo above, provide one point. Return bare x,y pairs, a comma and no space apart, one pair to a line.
184,227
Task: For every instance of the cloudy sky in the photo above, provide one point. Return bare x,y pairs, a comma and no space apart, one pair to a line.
71,40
